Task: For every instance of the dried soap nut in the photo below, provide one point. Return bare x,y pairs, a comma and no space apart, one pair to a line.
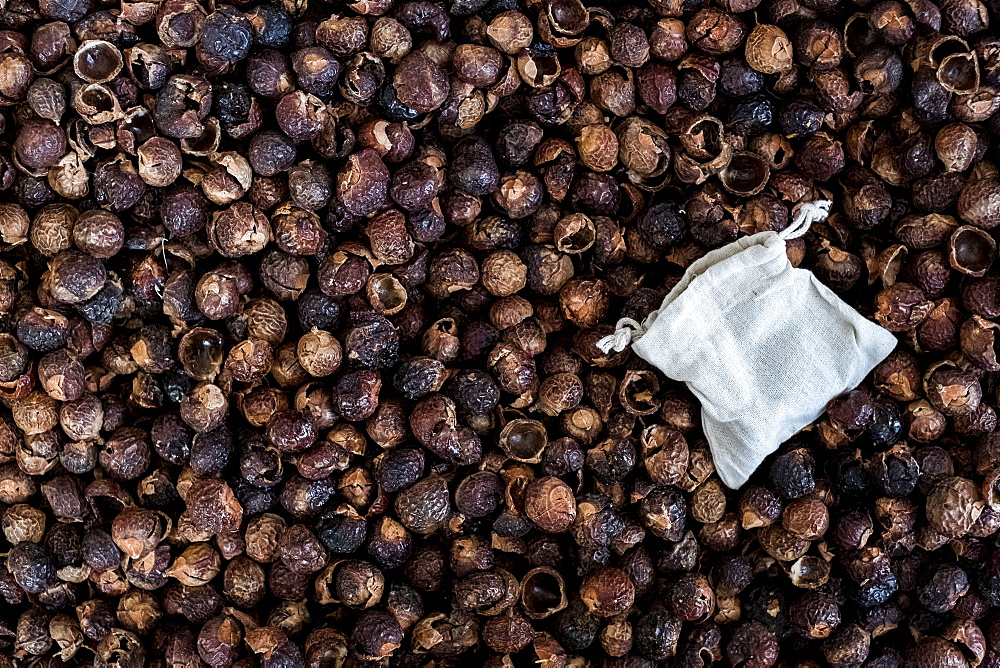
607,592
768,49
549,503
319,353
160,162
979,203
99,233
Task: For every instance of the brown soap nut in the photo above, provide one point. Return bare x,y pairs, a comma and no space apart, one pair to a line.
510,31
198,564
593,55
217,295
549,503
75,277
715,31
138,531
952,390
820,157
507,633
955,145
607,592
524,440
213,507
239,230
99,233
708,502
249,360
14,224
23,523
807,518
691,597
35,413
300,115
597,147
390,39
899,376
17,77
62,375
266,320
390,241
478,65
953,506
971,250
319,353
925,424
51,229
818,45
126,454
301,551
901,306
584,302
205,407
420,83
160,162
40,144
979,203
629,45
297,231
386,294
768,49
363,183
97,61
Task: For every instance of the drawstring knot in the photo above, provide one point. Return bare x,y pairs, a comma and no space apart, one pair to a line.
626,330
804,214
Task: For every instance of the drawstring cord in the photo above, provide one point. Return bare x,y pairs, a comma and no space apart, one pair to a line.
804,215
625,331
628,330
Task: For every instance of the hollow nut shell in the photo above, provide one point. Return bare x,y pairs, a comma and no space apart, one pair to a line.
543,592
959,73
97,61
971,250
746,174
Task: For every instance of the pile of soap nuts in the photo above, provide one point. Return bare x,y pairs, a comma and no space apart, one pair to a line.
299,304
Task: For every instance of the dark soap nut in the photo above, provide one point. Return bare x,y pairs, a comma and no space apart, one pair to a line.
663,225
226,37
737,78
231,102
473,167
800,118
792,474
271,152
272,26
399,468
40,144
751,115
184,210
317,70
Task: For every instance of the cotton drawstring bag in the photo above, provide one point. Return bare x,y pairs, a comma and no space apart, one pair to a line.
763,345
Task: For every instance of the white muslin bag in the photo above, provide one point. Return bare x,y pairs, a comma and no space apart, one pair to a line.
763,345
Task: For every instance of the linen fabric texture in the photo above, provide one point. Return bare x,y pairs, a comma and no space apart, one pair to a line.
763,345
